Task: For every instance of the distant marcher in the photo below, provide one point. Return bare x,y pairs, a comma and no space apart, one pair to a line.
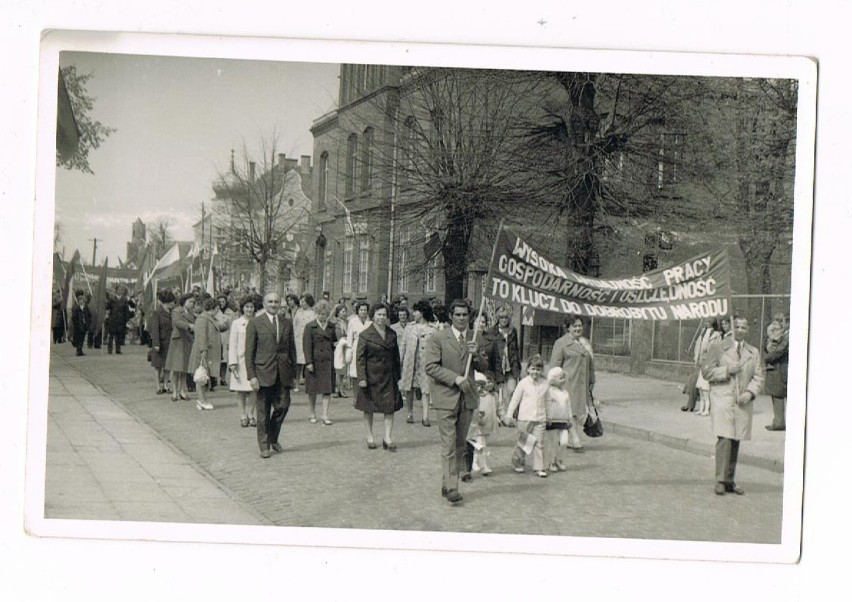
118,314
177,360
378,369
206,348
318,342
735,372
57,321
776,358
271,367
301,319
81,322
454,396
223,316
530,399
402,321
712,332
575,358
239,381
160,330
291,306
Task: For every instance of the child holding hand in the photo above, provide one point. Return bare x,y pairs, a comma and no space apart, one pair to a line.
530,399
559,420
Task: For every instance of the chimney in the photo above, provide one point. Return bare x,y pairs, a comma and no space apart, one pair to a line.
306,163
281,159
251,170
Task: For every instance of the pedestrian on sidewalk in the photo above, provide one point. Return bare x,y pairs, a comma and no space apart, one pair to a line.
377,361
530,399
239,382
270,365
454,396
342,352
777,346
318,341
206,349
735,372
160,330
573,354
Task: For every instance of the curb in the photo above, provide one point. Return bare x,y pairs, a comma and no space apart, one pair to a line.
696,447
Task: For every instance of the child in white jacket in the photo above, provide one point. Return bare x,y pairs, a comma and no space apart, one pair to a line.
530,398
559,420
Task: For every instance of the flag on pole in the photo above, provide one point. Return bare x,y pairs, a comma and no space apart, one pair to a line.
67,293
211,285
161,269
98,305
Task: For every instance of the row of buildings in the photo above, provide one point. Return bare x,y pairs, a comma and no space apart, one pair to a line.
359,220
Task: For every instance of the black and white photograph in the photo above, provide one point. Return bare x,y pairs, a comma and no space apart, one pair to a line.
423,313
469,298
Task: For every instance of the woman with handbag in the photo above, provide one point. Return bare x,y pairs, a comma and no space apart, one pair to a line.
574,356
177,360
206,350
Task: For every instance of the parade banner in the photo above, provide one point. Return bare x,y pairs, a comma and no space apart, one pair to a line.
697,288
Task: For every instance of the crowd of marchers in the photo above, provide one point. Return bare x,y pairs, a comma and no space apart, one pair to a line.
449,365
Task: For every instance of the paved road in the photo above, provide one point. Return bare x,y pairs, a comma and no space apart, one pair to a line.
326,477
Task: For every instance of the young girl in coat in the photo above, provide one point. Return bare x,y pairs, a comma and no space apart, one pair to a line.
530,399
559,420
483,423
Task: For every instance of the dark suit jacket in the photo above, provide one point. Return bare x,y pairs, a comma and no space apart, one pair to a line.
444,360
267,360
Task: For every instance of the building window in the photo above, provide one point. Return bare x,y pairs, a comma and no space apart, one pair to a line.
408,147
323,182
402,281
348,247
363,263
351,163
429,285
367,160
670,157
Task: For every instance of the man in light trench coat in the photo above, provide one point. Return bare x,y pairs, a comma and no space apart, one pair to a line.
735,372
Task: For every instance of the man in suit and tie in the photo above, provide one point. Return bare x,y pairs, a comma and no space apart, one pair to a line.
454,396
271,367
735,372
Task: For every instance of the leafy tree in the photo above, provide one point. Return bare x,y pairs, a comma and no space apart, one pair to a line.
160,235
91,132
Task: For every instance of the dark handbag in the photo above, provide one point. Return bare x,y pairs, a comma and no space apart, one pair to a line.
593,427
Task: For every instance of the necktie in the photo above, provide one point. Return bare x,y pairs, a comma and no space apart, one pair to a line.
461,339
275,324
739,350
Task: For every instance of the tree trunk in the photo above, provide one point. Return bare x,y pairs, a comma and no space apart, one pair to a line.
454,252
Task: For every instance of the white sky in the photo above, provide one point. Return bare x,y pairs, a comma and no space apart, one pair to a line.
177,120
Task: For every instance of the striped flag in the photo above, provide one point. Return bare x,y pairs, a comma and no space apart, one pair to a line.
98,305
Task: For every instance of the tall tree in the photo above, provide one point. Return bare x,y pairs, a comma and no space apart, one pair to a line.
91,132
456,134
160,235
265,210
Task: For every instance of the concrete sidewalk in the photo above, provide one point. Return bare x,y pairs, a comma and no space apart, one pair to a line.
648,408
104,464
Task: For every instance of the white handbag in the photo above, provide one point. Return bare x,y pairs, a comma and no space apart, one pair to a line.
200,376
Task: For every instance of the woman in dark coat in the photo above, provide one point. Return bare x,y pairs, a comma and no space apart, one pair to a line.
177,360
160,329
378,369
318,342
504,356
118,315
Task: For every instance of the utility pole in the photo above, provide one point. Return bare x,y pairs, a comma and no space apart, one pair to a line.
94,249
